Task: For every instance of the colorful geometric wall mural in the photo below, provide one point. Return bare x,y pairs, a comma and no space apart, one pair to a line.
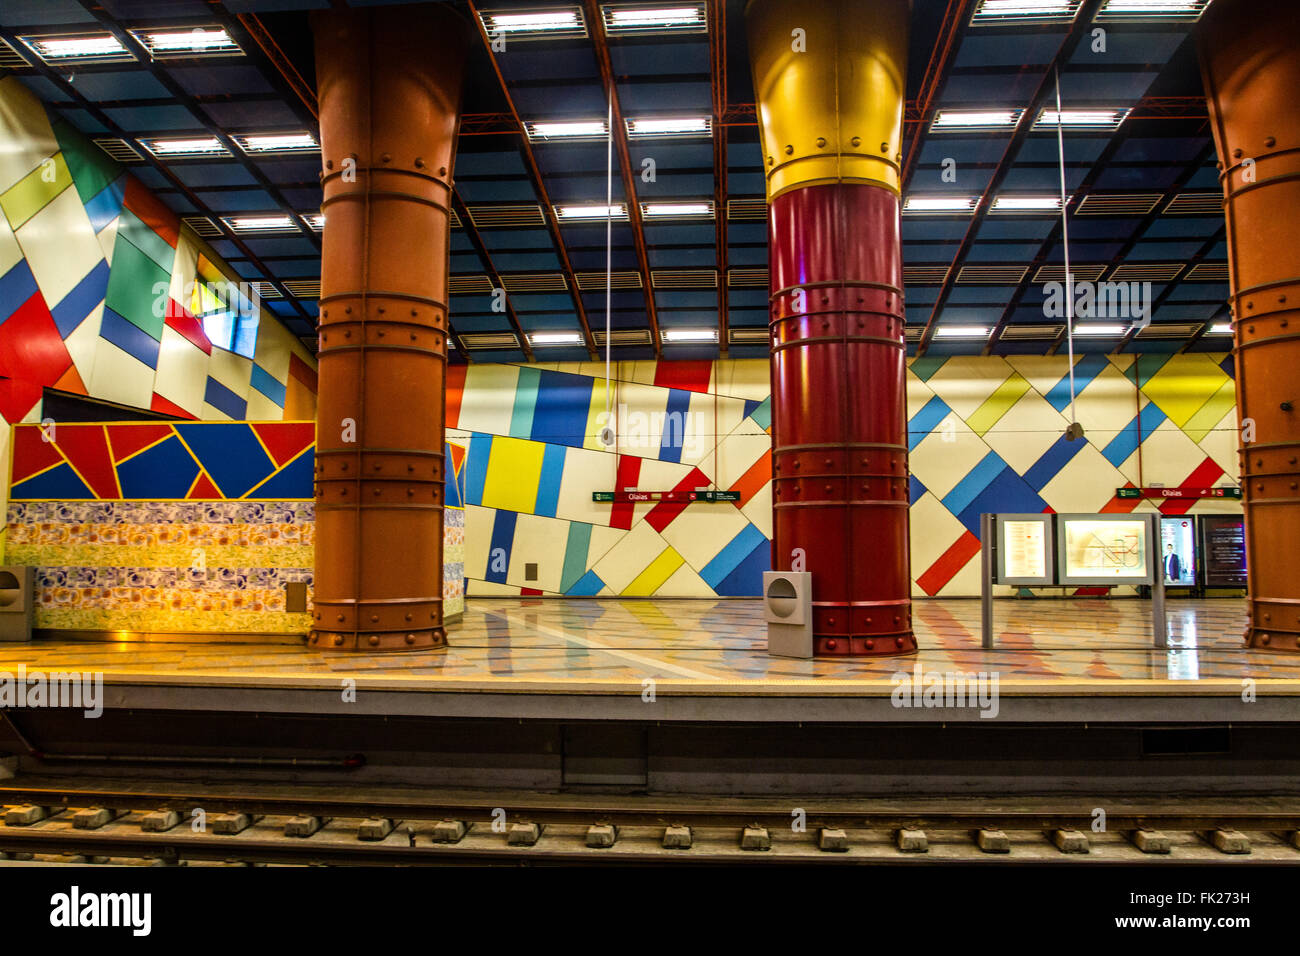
162,526
986,434
103,290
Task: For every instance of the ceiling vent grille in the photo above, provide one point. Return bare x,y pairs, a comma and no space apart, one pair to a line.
1118,204
540,282
746,209
624,337
1170,330
303,288
490,340
265,290
925,275
750,336
1208,203
913,333
469,285
203,226
120,150
1082,273
497,217
455,219
747,278
617,280
1209,272
685,279
9,59
992,275
1024,333
1146,272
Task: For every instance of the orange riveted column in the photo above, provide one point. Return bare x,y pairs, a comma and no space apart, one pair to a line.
1250,62
830,81
389,84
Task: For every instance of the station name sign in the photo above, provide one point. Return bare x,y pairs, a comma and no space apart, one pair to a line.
1178,492
682,497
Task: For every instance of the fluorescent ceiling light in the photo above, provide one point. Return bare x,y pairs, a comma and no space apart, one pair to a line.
1011,11
535,24
1027,204
655,19
1112,330
1082,119
101,46
190,146
962,332
1152,9
677,210
271,223
314,220
199,41
690,335
949,120
584,211
686,126
580,129
277,143
555,338
940,203
1219,328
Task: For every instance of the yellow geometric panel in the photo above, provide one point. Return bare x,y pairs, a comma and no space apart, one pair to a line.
1212,412
998,404
29,195
656,573
1026,431
513,473
1183,386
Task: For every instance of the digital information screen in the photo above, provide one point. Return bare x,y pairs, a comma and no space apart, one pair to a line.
1025,552
1100,549
1223,551
1178,551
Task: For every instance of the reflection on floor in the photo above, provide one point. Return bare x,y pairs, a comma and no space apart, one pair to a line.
534,644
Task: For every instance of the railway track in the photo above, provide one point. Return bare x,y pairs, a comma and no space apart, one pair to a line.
170,822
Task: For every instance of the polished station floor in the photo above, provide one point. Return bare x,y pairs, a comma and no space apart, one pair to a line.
617,644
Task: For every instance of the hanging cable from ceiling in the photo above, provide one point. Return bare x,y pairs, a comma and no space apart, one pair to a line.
607,433
1074,430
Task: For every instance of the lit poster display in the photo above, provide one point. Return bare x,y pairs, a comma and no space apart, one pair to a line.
1223,550
1024,549
1178,551
1098,549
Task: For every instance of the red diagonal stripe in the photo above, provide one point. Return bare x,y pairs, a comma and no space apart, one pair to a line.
629,471
949,563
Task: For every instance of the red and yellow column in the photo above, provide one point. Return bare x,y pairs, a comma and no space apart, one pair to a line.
1250,62
830,80
389,83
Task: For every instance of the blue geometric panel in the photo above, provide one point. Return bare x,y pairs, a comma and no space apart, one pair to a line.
165,470
218,396
266,383
231,455
58,482
293,482
129,337
746,579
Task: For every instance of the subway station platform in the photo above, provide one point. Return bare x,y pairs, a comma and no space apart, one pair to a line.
1054,660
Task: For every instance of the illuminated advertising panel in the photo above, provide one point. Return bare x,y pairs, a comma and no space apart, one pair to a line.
1178,551
1223,550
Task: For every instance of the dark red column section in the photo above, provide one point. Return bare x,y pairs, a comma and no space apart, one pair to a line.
839,431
